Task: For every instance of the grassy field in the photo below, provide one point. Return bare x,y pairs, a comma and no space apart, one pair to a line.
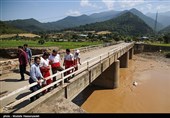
161,44
61,45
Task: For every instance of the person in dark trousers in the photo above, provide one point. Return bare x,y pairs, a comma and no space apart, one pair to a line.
76,59
54,59
29,53
35,76
23,60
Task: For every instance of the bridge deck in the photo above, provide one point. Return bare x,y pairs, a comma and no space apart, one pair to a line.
10,82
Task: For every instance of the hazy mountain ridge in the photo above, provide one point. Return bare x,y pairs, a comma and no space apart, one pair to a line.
165,30
163,18
7,29
32,25
125,24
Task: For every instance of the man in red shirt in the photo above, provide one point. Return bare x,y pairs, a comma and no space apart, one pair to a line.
23,60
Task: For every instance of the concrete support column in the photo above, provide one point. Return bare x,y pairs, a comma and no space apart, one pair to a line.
124,60
110,77
116,67
131,53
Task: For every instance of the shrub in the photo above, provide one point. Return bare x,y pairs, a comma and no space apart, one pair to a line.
41,41
167,55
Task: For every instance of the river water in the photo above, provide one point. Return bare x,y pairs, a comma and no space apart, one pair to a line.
151,95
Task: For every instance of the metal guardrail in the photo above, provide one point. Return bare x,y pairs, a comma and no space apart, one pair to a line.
12,64
61,76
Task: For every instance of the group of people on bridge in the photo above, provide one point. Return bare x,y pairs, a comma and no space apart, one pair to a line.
42,66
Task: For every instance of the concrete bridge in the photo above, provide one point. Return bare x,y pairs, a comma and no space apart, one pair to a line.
102,70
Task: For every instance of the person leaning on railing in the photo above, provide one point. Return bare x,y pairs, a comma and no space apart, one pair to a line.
76,59
45,69
35,76
68,62
54,60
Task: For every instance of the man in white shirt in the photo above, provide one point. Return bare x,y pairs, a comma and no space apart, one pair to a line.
45,69
68,61
54,59
76,59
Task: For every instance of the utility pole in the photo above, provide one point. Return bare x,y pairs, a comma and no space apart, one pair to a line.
155,28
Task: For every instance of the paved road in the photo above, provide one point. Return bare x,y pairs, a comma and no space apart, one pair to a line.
10,82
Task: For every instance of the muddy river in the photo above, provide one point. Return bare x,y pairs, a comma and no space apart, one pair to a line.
150,72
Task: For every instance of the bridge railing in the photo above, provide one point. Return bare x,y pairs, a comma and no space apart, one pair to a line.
12,64
86,65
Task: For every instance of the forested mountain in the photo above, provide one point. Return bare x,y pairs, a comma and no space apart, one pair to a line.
32,25
125,24
165,30
6,29
163,18
70,21
149,21
74,21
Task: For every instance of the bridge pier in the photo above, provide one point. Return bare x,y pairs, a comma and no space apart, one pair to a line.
124,60
110,77
131,53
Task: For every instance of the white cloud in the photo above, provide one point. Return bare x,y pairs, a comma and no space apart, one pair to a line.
153,8
109,4
86,3
130,3
73,13
149,7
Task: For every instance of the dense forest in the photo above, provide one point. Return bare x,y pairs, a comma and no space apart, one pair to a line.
126,24
7,29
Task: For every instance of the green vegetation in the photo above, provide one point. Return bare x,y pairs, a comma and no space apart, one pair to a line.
165,30
30,25
126,24
161,44
62,45
6,29
167,55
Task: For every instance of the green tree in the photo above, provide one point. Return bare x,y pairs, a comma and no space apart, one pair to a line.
167,38
41,41
160,39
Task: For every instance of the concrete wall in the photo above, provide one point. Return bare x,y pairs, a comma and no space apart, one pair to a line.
108,68
149,48
109,79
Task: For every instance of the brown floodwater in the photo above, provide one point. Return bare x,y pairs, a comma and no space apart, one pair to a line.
151,95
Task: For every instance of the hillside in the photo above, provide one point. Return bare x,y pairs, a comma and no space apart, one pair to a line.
70,21
74,21
7,29
163,18
165,30
30,25
125,24
149,21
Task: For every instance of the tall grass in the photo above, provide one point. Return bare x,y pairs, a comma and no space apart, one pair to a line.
62,45
161,44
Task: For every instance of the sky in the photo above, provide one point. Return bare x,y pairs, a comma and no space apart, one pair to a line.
53,10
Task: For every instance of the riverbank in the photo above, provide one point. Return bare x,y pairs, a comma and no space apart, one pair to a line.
151,95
